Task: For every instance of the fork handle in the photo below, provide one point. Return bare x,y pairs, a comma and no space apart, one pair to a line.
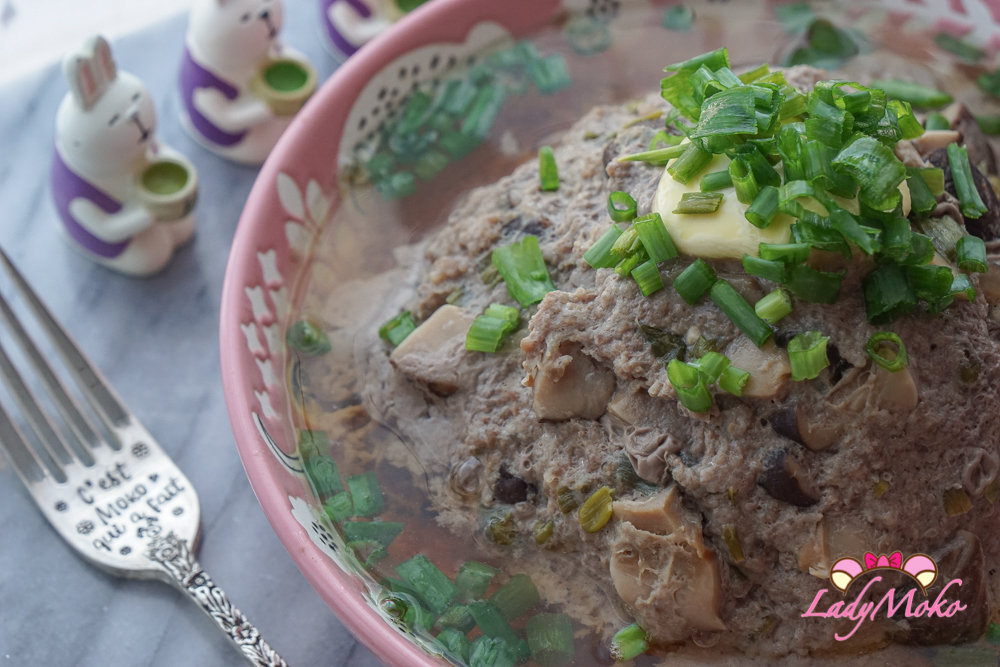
176,560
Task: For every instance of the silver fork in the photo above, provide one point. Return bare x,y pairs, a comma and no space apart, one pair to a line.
120,502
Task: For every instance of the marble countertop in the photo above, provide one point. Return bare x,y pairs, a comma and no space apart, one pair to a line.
157,342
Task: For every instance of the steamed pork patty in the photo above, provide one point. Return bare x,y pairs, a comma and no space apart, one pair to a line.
725,522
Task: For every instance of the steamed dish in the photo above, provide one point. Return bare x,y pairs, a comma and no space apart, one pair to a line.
782,354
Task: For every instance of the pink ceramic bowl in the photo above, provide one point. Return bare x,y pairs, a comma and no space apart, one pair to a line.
299,186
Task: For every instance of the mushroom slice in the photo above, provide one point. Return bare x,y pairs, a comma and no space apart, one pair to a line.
931,140
572,384
447,322
660,513
769,367
786,480
431,355
895,392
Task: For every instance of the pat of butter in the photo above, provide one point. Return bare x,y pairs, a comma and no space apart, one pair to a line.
727,232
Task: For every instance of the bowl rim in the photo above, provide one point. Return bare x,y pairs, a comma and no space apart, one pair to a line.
432,18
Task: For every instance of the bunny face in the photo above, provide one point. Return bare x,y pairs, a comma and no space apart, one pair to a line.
230,31
107,120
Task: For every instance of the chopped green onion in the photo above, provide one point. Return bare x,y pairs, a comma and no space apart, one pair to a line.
596,510
807,355
492,652
936,121
599,255
989,124
848,226
428,582
550,636
489,330
967,52
887,340
726,113
769,269
716,180
733,380
826,123
930,283
740,312
655,238
366,494
323,474
820,238
339,507
763,171
713,60
908,123
382,532
915,94
965,185
647,276
971,252
542,531
934,177
456,643
522,267
398,328
665,138
814,286
628,643
711,365
548,172
697,203
888,294
306,337
658,157
629,264
689,383
627,244
312,443
695,281
877,171
789,253
764,207
516,597
754,74
774,306
473,579
690,163
743,180
621,206
922,200
663,344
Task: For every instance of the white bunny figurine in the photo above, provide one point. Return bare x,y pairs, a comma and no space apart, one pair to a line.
104,143
228,43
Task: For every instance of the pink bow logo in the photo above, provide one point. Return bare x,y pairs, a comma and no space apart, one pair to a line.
893,561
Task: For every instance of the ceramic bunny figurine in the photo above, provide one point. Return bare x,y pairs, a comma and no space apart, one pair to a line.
229,106
105,145
350,24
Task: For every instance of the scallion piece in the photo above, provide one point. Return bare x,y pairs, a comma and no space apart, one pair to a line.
339,507
655,238
628,643
627,244
489,330
774,306
522,267
807,355
397,329
763,171
621,206
689,383
826,123
922,200
647,276
492,652
908,123
814,286
936,121
930,283
690,163
743,180
915,94
713,60
934,177
887,341
989,124
789,253
599,255
728,112
851,229
820,238
698,203
764,207
711,365
382,532
306,337
695,281
550,638
548,172
366,494
716,180
740,312
596,510
658,157
965,186
456,643
516,597
971,252
733,380
888,294
429,583
473,579
630,263
769,269
877,171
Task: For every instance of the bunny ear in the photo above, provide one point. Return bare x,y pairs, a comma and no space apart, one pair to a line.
103,58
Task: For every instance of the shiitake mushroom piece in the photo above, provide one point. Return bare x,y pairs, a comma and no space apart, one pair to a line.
786,480
785,422
987,226
510,489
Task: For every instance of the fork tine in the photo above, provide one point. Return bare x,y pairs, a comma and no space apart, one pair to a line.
66,404
51,440
25,462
